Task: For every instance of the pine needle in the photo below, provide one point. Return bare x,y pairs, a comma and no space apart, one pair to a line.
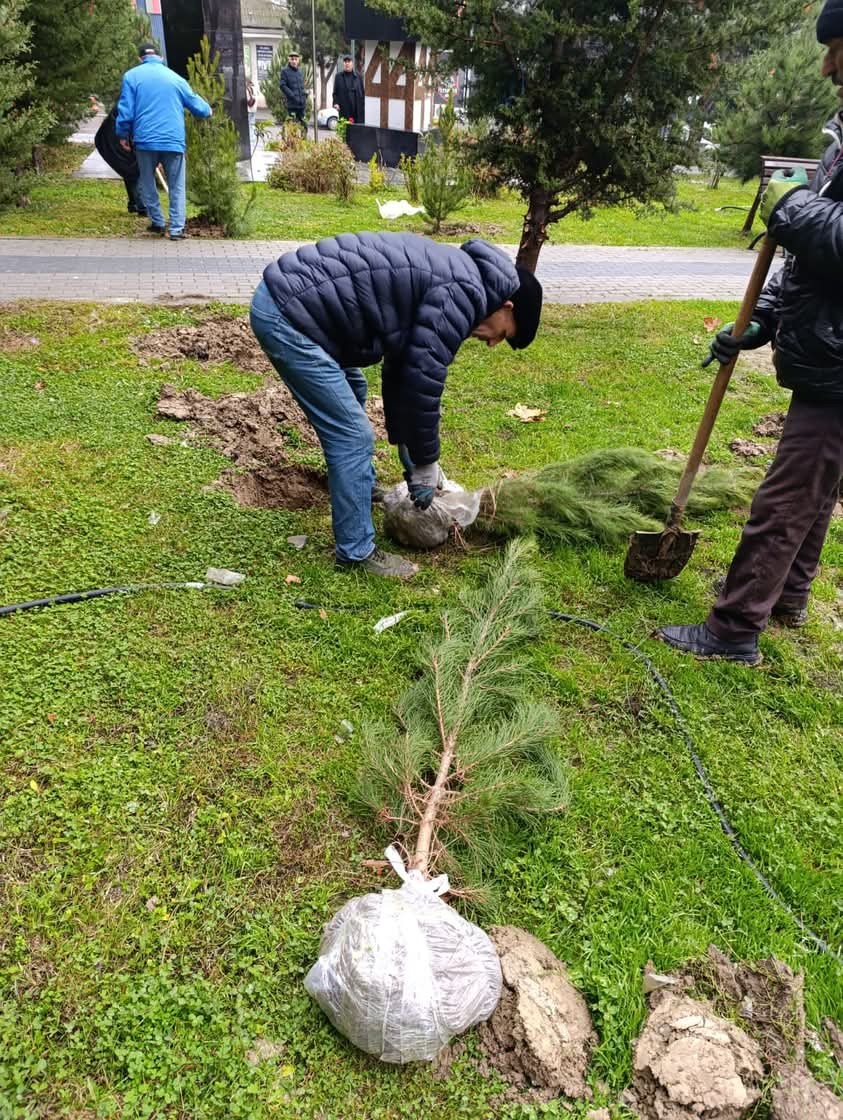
474,758
604,496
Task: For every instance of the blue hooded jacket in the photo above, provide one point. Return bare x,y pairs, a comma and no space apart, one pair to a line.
151,107
396,297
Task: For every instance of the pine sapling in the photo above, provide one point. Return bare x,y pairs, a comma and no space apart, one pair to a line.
444,184
213,149
473,760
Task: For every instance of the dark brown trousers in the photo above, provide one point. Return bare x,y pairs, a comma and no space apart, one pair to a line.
779,551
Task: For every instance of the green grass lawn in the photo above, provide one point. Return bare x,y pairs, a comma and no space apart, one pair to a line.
64,207
175,831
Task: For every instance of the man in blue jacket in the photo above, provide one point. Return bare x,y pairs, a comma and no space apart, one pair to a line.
324,310
801,313
150,113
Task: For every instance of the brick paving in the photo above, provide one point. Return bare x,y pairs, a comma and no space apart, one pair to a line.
154,270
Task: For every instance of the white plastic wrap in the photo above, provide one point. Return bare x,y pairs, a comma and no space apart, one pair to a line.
428,528
400,973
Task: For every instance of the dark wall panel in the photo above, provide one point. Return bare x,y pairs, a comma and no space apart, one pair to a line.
363,22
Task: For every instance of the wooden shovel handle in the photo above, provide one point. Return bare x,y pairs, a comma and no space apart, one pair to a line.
721,381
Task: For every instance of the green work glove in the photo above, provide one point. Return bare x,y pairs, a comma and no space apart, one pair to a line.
725,346
782,183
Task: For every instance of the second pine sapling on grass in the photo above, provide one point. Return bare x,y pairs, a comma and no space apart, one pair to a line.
444,184
473,758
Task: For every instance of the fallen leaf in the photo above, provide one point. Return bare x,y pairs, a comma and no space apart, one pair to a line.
52,717
152,902
39,385
292,579
711,323
323,614
526,414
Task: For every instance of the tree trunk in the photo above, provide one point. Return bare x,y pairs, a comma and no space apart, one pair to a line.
534,232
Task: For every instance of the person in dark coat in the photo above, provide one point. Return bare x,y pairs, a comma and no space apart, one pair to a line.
324,310
348,97
292,87
121,161
801,313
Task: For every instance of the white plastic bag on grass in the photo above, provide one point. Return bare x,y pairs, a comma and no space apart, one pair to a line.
428,528
400,972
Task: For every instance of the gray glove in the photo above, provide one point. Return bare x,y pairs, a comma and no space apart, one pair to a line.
422,482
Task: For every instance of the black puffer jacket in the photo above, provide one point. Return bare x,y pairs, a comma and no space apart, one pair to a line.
364,297
291,85
801,309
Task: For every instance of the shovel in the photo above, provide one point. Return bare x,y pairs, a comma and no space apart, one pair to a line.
656,556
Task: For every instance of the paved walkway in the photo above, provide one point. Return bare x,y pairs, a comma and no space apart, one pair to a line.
153,269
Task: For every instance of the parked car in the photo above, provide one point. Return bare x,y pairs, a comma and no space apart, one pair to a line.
328,118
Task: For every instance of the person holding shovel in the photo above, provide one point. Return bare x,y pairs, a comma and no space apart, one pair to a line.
324,310
801,313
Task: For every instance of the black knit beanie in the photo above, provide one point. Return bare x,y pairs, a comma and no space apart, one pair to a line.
830,23
527,309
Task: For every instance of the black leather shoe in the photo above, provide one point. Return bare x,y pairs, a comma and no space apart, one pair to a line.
177,236
700,641
793,617
152,228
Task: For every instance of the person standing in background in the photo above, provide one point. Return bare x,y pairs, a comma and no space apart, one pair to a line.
349,97
150,114
292,86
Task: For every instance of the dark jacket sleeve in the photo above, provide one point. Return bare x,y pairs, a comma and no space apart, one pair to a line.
360,115
335,92
811,227
414,379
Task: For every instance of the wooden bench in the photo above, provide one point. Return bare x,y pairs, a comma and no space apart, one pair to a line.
769,164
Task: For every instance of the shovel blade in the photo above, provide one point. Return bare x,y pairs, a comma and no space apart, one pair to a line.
655,556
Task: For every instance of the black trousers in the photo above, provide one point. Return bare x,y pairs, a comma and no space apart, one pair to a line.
779,551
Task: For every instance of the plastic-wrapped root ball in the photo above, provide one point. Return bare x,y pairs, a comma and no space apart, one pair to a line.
428,528
400,972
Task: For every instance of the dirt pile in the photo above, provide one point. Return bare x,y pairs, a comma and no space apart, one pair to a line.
540,1037
216,339
770,426
797,1096
12,341
694,1062
690,1064
253,431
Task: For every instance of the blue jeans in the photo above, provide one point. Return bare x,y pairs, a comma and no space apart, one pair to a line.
333,399
173,164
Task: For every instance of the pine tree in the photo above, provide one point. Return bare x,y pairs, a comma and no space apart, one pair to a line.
777,106
586,99
21,128
472,761
78,49
443,182
213,149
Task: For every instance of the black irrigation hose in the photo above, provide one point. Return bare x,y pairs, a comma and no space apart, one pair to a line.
702,774
97,593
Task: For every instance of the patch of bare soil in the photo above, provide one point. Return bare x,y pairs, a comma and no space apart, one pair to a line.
12,341
749,448
457,229
201,227
540,1037
797,1096
767,996
770,426
290,487
707,1059
216,339
689,1063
